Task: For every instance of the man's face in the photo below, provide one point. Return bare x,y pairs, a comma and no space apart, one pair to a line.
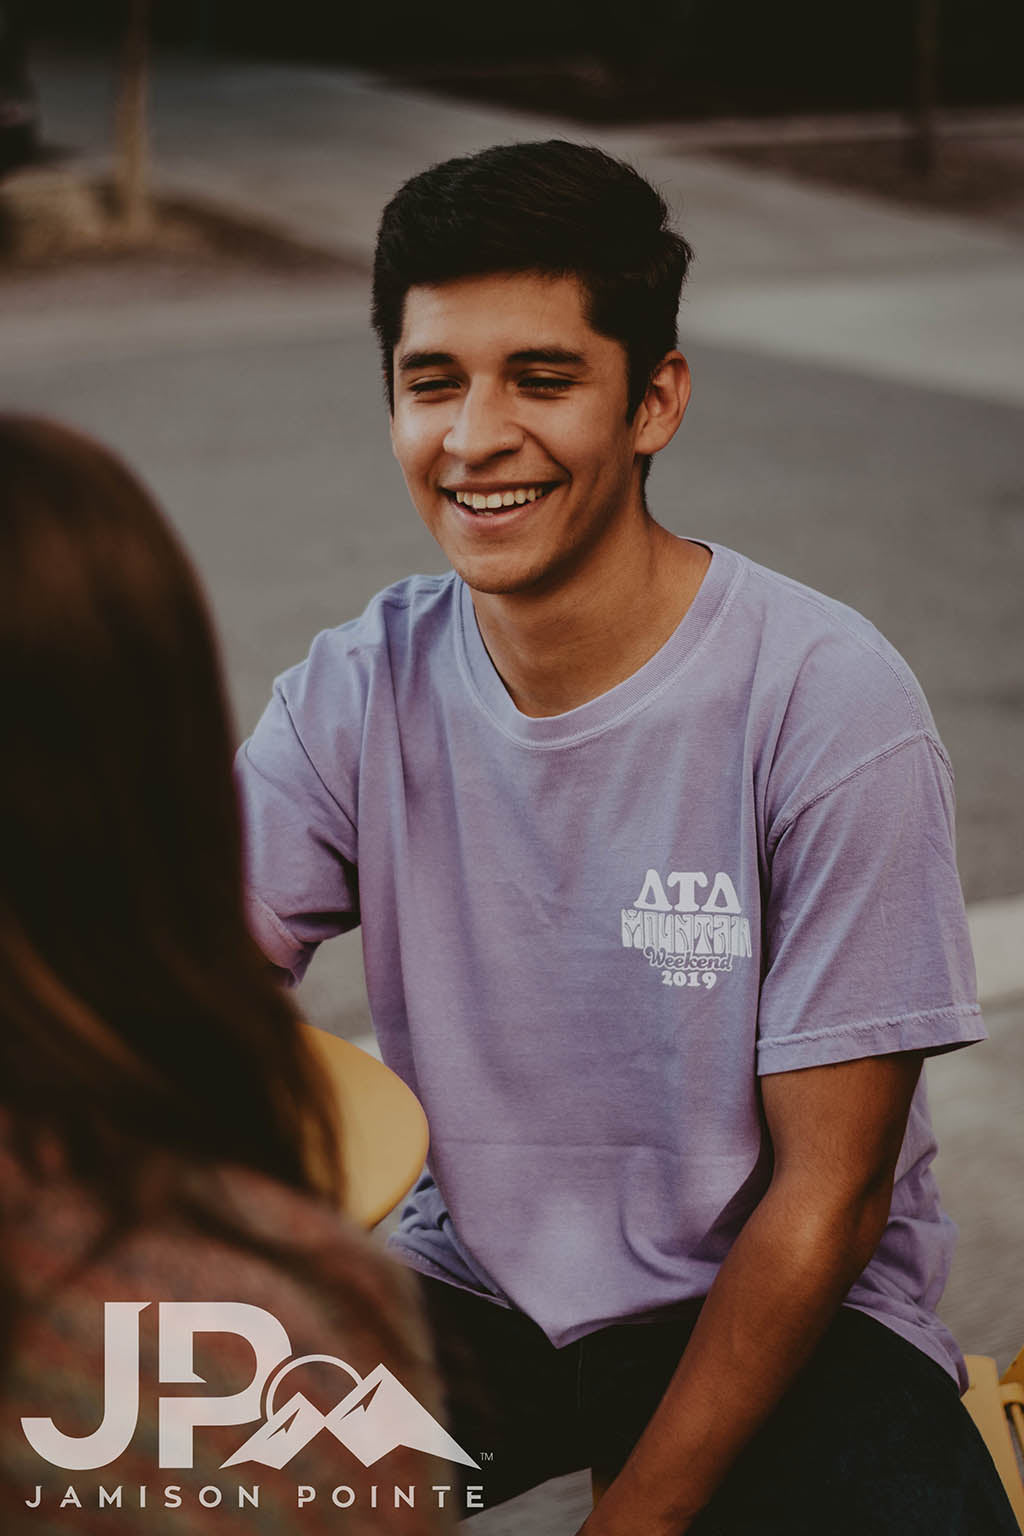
510,427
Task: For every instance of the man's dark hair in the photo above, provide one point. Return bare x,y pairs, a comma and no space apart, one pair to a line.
554,207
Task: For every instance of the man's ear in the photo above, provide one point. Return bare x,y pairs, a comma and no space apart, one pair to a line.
663,406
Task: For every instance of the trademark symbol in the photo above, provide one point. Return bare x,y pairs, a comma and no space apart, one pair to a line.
486,1455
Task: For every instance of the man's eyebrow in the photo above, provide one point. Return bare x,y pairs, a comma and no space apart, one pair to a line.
424,360
412,360
546,355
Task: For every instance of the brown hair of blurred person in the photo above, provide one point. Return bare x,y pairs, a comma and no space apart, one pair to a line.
144,1042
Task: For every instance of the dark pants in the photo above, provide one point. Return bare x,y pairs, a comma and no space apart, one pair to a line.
871,1438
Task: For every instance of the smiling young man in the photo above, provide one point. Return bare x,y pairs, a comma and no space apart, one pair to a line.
653,853
539,508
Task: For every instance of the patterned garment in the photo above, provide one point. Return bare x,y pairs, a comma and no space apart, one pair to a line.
333,1292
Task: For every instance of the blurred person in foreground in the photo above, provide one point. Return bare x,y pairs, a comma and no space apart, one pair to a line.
163,1136
652,849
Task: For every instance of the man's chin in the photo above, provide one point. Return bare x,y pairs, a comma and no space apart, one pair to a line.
492,586
489,579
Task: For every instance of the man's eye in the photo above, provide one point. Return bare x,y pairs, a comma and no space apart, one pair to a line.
545,383
431,386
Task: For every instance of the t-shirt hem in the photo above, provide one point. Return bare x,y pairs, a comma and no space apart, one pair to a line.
935,1029
954,1365
563,1337
413,1259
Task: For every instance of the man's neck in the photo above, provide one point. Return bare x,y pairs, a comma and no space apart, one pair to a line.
558,649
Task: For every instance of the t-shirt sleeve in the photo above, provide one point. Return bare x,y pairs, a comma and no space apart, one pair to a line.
867,949
301,849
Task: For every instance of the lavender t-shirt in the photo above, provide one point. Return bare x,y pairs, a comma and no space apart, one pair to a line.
586,935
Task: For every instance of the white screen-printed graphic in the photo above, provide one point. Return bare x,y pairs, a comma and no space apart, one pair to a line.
688,926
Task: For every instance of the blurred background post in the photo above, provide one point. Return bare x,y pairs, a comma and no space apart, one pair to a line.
926,48
132,127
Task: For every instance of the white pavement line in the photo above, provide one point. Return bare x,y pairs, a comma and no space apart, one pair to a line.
953,331
825,128
997,934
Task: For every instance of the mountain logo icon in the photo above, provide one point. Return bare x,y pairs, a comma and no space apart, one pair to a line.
376,1415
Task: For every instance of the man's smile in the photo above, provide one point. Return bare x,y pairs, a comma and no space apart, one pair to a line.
485,501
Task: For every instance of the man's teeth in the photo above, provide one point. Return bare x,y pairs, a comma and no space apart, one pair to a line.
495,500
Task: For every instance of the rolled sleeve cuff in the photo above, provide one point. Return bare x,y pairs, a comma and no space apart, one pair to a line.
939,1029
280,946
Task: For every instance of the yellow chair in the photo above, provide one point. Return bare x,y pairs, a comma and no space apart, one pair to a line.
384,1134
997,1407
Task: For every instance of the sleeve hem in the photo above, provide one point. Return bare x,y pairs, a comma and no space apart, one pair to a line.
279,946
932,1029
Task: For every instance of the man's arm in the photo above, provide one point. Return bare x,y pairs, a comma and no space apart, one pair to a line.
836,1132
302,884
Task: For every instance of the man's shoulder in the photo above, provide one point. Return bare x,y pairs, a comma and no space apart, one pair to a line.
412,605
826,694
826,660
400,622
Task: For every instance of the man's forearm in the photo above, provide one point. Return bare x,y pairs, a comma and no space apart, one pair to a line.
776,1293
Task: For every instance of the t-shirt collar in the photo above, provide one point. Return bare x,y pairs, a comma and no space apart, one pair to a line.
620,702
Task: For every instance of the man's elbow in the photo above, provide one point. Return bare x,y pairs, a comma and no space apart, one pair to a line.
834,1225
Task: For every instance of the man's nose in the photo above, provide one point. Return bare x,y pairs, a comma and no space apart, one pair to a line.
482,426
